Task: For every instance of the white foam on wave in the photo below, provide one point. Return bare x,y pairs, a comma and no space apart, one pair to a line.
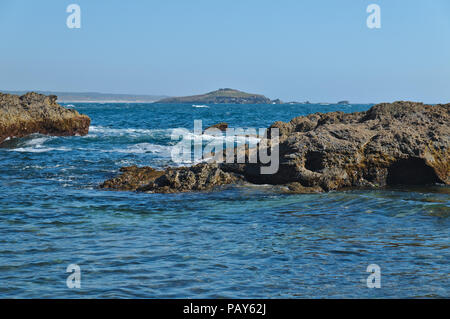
187,135
39,167
121,131
38,141
143,148
36,145
240,139
124,131
40,149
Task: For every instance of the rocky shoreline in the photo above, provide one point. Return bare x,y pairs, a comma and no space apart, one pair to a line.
37,113
401,143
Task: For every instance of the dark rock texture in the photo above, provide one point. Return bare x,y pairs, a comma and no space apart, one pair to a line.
37,113
401,143
196,178
132,178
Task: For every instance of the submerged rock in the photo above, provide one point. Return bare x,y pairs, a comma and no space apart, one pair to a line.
401,143
37,113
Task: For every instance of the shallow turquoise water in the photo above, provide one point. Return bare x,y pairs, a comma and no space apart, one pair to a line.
238,242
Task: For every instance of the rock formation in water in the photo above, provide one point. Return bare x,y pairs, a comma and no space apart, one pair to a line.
221,126
37,113
401,143
196,178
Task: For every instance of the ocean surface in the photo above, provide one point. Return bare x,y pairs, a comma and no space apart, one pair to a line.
240,242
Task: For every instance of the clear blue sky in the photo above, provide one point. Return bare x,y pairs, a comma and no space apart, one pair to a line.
318,50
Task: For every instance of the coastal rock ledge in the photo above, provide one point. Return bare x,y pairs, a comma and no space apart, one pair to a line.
401,143
37,113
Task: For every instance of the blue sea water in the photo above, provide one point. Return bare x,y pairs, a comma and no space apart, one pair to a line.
239,242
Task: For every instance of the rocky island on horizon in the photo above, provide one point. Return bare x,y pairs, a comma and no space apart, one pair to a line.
222,96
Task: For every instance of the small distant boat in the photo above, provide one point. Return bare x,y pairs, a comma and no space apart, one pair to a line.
195,105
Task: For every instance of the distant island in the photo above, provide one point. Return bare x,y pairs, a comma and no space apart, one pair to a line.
95,97
220,96
223,96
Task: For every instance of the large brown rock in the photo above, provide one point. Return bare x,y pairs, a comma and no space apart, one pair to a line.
398,143
401,143
37,113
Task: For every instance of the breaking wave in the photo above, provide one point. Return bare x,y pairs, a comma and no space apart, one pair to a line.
37,145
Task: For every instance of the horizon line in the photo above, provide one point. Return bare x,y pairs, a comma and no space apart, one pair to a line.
160,96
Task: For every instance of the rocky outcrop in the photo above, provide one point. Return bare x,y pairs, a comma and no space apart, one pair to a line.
221,126
37,113
200,177
401,143
398,143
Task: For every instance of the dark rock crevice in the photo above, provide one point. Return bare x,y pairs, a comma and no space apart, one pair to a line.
411,171
314,161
